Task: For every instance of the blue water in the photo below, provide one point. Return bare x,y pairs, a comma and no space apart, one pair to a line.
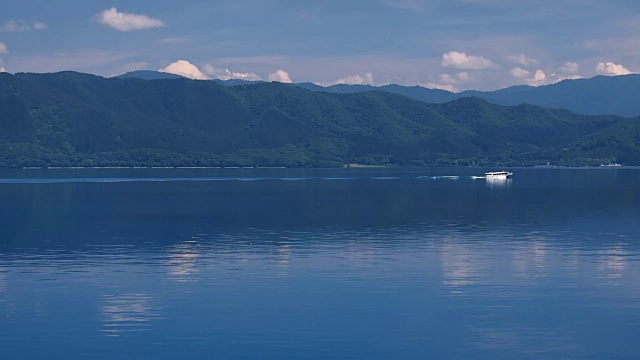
319,264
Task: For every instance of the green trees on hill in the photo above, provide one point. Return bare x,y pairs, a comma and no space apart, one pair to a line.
73,119
595,96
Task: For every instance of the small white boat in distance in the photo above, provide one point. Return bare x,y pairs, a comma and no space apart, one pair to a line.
499,175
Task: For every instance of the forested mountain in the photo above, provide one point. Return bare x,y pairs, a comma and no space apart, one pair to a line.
431,96
148,75
74,119
600,95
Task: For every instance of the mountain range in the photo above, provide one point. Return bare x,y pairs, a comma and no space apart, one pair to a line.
600,95
75,119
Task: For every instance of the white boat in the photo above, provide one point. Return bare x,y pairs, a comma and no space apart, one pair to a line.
499,175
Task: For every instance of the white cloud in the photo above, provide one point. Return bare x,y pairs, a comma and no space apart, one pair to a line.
447,87
186,69
463,76
280,76
568,71
227,74
447,79
570,67
210,70
39,25
539,77
455,78
366,79
558,78
520,73
609,68
15,26
21,26
520,59
461,60
3,48
239,75
126,22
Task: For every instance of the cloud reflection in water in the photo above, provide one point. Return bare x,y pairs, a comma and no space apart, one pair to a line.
3,284
128,313
461,266
613,263
183,259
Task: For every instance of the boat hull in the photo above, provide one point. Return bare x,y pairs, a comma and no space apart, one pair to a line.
499,175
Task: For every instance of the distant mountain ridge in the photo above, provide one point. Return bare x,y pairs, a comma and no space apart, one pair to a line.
75,119
149,75
600,95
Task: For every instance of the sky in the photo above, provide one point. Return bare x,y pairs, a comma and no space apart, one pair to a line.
447,44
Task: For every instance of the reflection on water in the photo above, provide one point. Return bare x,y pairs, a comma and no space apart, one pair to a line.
182,260
528,259
494,182
381,266
514,289
614,263
548,344
284,257
539,253
127,313
2,282
461,265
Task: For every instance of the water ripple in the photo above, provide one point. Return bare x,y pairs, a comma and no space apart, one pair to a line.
126,313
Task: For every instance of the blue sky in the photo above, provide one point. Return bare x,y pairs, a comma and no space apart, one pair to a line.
449,44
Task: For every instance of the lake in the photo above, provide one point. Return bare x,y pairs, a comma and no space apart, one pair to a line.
319,264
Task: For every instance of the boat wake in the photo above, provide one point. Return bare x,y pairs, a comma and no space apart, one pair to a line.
226,179
451,177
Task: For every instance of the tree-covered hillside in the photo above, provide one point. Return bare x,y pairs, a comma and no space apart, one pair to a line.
74,119
600,95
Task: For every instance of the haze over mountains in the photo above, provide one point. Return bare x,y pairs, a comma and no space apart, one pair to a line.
74,119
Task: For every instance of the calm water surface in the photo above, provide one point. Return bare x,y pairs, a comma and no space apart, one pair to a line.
319,264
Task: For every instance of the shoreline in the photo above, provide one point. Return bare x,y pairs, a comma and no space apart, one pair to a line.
346,166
